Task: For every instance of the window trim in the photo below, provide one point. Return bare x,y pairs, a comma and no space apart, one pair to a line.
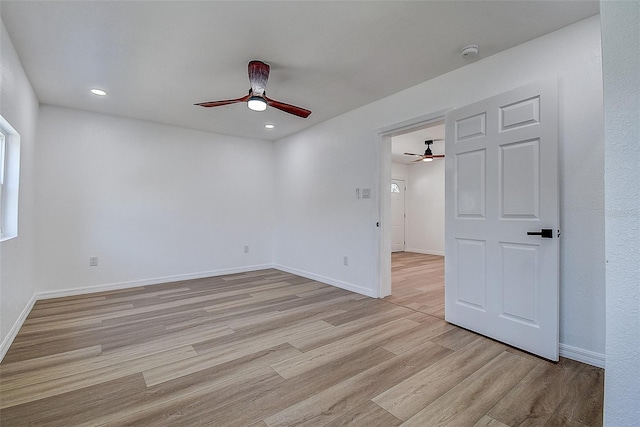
9,181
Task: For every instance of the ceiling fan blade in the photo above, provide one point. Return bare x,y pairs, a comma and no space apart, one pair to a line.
288,108
258,76
412,154
225,102
437,156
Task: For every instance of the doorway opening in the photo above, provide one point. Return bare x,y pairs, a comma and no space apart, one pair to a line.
416,215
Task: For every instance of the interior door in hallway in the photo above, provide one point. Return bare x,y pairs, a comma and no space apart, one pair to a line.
397,215
502,219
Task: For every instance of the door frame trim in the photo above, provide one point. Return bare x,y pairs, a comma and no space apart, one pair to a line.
382,238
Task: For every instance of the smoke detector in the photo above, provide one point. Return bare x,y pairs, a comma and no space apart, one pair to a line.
469,51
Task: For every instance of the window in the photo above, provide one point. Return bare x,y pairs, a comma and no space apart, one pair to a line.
395,188
9,176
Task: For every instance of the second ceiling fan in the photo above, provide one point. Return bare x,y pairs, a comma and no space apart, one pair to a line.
257,99
428,156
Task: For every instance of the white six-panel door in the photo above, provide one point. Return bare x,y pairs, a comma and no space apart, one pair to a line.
502,183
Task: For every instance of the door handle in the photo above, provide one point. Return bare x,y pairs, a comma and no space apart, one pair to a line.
546,233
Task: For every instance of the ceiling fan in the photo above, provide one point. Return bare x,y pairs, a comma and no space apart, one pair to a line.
428,156
257,98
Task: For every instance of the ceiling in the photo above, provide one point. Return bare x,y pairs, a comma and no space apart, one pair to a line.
156,59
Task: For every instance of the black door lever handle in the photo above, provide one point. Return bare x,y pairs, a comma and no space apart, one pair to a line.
546,233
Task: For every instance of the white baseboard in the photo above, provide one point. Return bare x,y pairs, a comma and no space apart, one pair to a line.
424,251
582,355
329,281
8,340
147,282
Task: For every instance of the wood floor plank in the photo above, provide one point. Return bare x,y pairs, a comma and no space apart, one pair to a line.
367,308
114,357
29,365
311,342
322,310
209,355
487,421
534,399
314,358
427,331
61,324
210,385
37,323
30,391
332,402
256,406
366,415
412,395
169,340
582,403
74,407
468,402
455,338
78,299
197,408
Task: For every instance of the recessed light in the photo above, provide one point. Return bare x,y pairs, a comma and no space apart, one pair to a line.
269,126
98,92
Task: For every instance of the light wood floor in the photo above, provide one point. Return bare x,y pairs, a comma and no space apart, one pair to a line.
272,349
417,282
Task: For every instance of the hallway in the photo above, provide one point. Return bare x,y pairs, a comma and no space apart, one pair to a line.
417,282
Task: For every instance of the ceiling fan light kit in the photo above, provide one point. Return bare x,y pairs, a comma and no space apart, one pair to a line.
257,98
257,103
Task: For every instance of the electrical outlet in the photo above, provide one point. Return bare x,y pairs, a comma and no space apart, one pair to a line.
246,249
345,260
93,261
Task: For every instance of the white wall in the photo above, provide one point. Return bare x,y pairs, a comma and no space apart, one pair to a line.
19,106
425,208
155,203
319,220
620,37
399,171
